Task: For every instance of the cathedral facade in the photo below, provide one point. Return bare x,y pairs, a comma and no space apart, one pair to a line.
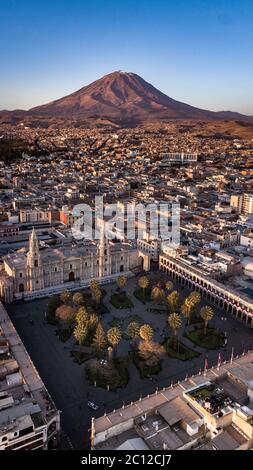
39,270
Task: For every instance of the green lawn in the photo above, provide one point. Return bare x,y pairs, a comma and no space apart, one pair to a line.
142,296
146,368
181,352
123,323
214,339
116,322
120,300
80,356
114,373
100,308
196,320
64,334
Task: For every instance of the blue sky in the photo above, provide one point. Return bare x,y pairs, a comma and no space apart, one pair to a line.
196,51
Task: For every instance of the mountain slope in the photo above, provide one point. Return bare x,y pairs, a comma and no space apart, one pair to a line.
126,96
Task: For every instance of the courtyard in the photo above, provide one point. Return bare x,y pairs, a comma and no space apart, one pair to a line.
67,379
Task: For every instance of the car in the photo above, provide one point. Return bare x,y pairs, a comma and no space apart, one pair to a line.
92,405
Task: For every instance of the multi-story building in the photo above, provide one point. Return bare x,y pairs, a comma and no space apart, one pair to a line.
40,272
32,215
150,245
203,279
212,410
178,158
242,203
247,204
29,419
246,239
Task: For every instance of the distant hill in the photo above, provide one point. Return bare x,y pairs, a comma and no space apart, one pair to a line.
123,96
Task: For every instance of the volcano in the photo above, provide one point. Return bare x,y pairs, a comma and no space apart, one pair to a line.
126,97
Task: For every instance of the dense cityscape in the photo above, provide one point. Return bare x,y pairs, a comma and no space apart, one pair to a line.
126,236
80,295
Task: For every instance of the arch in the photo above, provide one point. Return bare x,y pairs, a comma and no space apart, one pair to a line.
141,261
21,287
71,276
121,269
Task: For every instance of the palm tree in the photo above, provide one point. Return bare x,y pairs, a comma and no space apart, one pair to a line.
146,332
194,299
173,301
169,285
97,295
94,285
78,299
99,340
174,321
150,348
207,314
82,315
121,281
96,292
133,329
185,311
80,332
65,296
157,293
114,336
143,283
93,321
189,305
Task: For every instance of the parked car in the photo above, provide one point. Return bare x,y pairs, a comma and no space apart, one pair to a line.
92,405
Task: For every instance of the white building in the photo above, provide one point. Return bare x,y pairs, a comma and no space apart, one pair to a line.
41,271
29,419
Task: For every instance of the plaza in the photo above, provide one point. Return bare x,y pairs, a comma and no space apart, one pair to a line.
66,380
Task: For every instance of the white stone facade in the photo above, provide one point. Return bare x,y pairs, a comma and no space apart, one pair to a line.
39,270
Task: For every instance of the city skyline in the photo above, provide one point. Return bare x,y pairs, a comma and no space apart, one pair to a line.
192,52
126,229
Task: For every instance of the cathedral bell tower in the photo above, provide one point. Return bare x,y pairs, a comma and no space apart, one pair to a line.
104,254
35,279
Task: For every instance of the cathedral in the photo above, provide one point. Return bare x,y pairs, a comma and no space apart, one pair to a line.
42,272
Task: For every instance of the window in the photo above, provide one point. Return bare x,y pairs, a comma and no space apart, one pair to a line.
85,264
70,266
37,282
36,263
105,252
55,270
20,274
25,431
